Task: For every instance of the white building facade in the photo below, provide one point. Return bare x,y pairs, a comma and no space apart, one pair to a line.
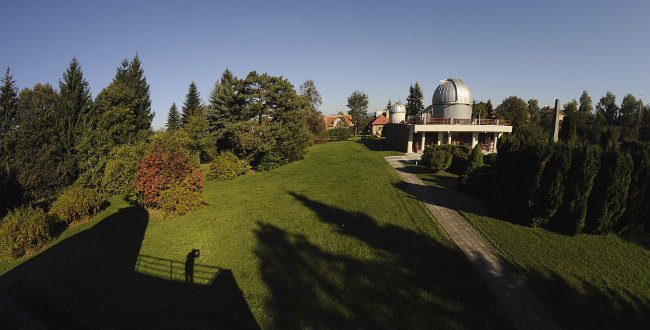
447,121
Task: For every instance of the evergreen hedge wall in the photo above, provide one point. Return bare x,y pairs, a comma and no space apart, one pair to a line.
572,188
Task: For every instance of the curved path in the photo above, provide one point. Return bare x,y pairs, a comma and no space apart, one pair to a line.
523,308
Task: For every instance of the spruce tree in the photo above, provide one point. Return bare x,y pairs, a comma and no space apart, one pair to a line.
222,108
192,105
173,118
132,75
8,122
73,108
414,103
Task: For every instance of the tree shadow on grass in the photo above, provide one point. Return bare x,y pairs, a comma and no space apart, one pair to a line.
92,280
444,192
410,281
580,304
375,144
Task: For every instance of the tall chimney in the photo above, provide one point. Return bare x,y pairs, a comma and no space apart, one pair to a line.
556,121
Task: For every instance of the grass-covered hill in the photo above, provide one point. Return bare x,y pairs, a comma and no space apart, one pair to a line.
324,242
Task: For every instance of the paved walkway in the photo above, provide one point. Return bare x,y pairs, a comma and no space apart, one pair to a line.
525,311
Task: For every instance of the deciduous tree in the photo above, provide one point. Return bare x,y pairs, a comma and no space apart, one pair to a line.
358,108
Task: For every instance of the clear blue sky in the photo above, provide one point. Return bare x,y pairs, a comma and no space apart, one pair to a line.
532,49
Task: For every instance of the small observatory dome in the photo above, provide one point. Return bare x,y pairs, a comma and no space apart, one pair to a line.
397,113
452,99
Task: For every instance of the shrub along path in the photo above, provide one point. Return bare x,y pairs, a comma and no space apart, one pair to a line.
522,306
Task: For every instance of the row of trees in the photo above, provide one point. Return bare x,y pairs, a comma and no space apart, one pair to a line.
582,121
51,138
574,188
255,117
595,180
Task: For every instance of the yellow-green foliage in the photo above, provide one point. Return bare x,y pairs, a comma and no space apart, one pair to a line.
180,198
227,166
119,174
76,204
24,230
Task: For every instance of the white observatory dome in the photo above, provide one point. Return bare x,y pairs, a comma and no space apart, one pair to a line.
397,113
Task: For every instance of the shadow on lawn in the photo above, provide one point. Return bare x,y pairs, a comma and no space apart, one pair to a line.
411,281
443,192
590,306
96,279
584,305
375,144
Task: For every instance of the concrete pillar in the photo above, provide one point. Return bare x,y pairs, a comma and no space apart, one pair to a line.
423,142
496,139
448,138
409,144
440,138
474,139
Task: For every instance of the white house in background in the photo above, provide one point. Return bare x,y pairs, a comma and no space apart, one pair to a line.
448,120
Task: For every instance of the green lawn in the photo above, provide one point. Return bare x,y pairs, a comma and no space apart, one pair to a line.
326,242
585,281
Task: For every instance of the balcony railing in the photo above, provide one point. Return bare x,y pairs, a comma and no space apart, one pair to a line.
452,121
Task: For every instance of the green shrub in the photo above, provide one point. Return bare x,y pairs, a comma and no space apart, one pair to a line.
76,204
570,218
478,182
436,158
24,230
548,197
475,159
490,159
121,167
270,161
459,157
609,194
339,133
180,198
227,166
637,212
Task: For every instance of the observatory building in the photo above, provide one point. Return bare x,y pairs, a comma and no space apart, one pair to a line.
448,120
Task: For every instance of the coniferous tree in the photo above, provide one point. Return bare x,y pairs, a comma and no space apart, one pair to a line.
8,122
73,108
223,108
173,118
133,76
38,151
112,122
414,103
192,105
609,194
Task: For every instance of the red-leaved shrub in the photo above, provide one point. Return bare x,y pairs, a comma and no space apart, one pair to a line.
164,166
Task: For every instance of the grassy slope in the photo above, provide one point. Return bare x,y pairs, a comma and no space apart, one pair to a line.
326,241
585,281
